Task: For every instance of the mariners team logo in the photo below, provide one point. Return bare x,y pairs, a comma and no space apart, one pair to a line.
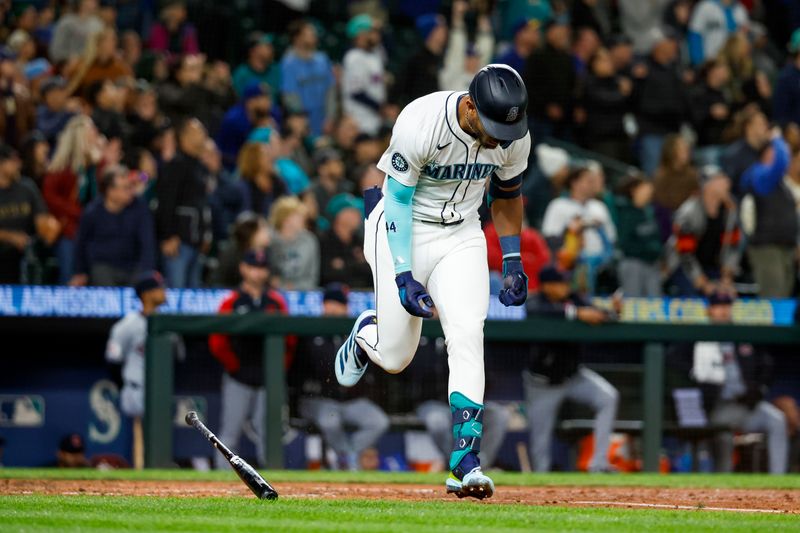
513,113
399,162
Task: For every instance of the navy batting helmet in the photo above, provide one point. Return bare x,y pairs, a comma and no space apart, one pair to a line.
501,98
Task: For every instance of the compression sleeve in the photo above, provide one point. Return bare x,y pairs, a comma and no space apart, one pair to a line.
397,208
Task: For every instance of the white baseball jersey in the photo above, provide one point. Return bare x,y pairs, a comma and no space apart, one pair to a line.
363,72
449,168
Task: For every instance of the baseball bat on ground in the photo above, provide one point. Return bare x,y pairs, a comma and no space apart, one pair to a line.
247,473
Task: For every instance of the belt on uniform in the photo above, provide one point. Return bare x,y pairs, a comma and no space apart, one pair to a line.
434,223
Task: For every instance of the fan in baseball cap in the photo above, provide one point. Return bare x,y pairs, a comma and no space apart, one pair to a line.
501,99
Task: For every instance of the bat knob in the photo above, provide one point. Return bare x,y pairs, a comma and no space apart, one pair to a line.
191,418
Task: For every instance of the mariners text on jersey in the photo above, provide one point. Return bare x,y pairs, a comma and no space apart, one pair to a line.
448,167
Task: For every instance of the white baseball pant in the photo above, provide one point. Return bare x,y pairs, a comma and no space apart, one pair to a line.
450,261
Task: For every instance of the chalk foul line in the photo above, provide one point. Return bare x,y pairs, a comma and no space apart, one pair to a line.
682,507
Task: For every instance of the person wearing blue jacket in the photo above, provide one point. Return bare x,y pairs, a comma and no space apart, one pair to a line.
757,164
239,121
116,235
307,80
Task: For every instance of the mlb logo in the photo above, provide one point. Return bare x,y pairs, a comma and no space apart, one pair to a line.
513,113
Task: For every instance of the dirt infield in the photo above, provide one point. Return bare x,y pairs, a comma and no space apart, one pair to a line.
745,500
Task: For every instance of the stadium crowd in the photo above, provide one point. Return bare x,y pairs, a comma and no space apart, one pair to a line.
127,146
186,137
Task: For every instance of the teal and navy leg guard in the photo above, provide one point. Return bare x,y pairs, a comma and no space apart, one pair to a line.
467,433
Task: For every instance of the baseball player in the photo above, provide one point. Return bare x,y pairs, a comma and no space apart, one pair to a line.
125,347
424,244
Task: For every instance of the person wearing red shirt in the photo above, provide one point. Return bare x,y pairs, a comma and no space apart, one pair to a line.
243,396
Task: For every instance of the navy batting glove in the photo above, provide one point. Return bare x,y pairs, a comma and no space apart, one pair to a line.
414,296
515,283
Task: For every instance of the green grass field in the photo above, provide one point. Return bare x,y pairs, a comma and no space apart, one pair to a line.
144,513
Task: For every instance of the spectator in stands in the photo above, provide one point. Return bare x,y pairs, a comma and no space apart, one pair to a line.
107,101
284,146
225,197
463,59
551,71
367,149
17,112
243,397
250,232
330,179
73,30
639,19
191,93
786,105
116,236
294,252
555,374
344,137
144,118
510,12
585,44
183,224
368,176
420,74
768,212
99,62
143,173
674,182
350,422
606,99
711,23
620,49
363,76
746,84
35,157
70,183
639,241
735,378
260,66
578,227
295,125
662,103
677,17
590,14
253,109
705,249
55,109
259,186
23,217
341,249
544,180
711,111
307,81
131,50
533,248
173,35
526,41
22,44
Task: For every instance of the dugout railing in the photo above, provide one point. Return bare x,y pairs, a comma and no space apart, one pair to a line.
652,336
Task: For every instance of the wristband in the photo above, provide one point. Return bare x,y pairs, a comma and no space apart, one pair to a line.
510,247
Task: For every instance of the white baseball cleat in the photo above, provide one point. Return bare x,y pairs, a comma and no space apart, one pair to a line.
475,484
351,360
